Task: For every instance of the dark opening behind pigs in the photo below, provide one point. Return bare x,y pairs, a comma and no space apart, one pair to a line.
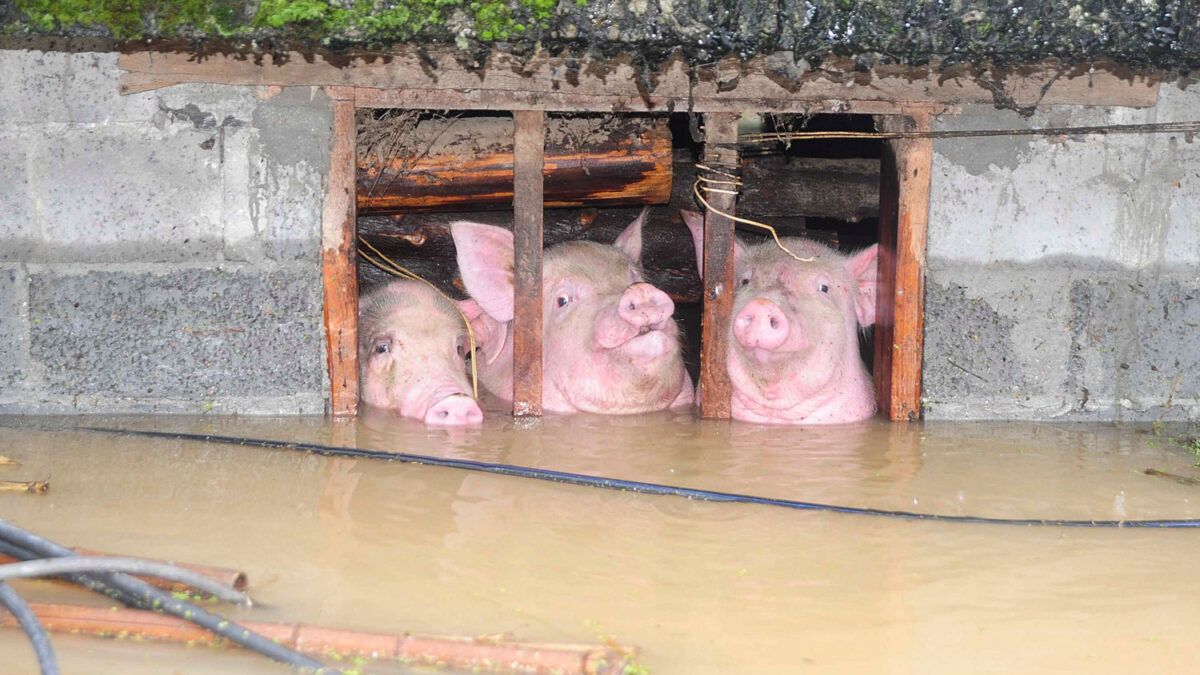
412,350
793,353
609,343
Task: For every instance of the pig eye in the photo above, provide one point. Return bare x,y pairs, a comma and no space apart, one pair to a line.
382,348
824,288
562,300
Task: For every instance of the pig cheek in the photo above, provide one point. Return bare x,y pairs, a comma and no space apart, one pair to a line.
380,386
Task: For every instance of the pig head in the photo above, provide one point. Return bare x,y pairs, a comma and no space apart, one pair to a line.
609,343
793,351
412,351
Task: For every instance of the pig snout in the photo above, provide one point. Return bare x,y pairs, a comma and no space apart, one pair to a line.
645,307
454,410
761,325
641,309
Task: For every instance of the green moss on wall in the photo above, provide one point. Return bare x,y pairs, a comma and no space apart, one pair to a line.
372,23
1149,34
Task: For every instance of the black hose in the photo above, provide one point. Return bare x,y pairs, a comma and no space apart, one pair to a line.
165,602
33,628
92,582
635,486
52,567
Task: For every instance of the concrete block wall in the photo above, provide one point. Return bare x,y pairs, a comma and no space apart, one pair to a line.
159,252
1064,273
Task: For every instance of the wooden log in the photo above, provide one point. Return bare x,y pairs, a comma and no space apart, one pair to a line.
456,163
900,313
778,186
720,153
338,224
528,151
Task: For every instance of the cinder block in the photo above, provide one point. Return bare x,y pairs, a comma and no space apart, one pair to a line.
57,87
996,343
190,334
294,129
121,194
18,233
13,368
1023,198
1138,341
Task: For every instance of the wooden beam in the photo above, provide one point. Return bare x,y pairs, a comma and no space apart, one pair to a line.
903,221
338,260
467,163
720,153
447,78
529,156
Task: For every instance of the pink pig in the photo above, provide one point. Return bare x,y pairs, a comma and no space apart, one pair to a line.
412,350
793,357
609,344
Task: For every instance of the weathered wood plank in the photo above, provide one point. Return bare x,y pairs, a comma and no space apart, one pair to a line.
338,263
903,222
444,78
720,153
528,148
447,164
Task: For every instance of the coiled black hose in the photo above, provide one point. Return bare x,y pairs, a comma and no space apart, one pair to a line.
165,602
33,628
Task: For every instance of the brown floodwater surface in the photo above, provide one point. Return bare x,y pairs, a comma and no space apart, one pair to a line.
697,587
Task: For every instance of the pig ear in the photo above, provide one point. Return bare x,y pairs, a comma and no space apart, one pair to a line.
864,270
695,223
490,335
630,240
485,260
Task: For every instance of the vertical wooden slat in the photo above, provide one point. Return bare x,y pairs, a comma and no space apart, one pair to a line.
338,259
720,152
903,220
528,159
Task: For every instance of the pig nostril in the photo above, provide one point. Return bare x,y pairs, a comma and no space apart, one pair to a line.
632,307
774,323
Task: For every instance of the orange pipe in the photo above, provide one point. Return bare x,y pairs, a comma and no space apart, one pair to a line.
235,579
471,654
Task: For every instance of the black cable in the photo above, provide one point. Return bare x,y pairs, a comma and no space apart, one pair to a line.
33,628
165,602
1189,127
633,486
92,582
53,567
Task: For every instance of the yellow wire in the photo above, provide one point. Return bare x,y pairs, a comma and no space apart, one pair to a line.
697,187
397,270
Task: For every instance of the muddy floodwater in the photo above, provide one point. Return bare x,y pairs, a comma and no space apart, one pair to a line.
696,587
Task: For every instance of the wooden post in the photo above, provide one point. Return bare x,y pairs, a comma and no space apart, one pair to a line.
903,219
528,160
338,259
721,154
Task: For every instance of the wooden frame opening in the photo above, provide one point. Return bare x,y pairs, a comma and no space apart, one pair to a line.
903,218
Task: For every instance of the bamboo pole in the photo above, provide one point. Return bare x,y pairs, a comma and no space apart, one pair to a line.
461,653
